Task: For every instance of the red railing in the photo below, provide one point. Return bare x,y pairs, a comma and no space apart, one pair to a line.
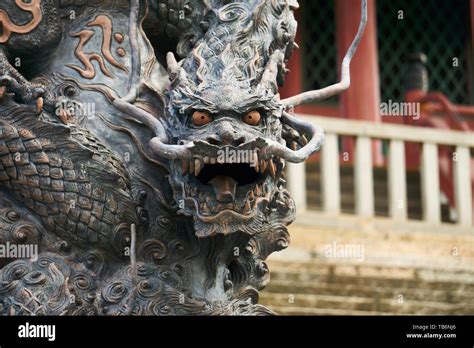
437,111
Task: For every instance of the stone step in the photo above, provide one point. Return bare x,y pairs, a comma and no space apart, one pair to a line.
326,267
288,310
316,301
381,283
364,304
452,283
453,296
324,288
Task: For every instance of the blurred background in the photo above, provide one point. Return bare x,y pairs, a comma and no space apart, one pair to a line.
385,210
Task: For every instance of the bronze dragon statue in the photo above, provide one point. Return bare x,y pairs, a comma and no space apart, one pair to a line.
150,184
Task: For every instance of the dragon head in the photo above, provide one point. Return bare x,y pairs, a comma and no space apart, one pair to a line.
226,179
224,125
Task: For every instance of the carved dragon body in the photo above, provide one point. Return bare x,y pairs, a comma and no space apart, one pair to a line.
151,186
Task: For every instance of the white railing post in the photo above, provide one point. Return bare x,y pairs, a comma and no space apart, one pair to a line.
364,188
397,188
296,183
330,182
462,185
430,184
398,135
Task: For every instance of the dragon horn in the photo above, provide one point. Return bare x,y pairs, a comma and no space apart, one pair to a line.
345,82
274,148
271,71
173,66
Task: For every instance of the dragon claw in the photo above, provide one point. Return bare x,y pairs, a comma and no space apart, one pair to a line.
12,82
64,116
39,105
30,93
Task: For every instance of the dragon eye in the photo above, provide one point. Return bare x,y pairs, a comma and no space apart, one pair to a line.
200,118
69,91
252,118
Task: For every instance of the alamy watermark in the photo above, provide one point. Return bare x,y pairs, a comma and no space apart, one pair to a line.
75,109
22,251
405,109
344,251
37,331
228,155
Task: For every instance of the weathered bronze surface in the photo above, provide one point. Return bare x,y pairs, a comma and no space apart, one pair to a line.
151,182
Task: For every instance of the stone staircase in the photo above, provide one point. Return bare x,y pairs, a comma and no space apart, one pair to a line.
328,288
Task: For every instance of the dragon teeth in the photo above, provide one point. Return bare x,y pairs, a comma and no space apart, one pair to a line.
191,166
246,207
255,161
251,196
39,105
197,166
185,167
283,164
64,116
271,168
304,140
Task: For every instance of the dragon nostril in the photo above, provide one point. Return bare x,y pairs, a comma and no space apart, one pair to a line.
213,141
225,140
238,141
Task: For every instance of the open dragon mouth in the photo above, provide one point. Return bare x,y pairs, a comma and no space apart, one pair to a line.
225,178
211,185
241,173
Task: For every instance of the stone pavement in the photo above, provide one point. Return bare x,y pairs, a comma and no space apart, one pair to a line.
339,270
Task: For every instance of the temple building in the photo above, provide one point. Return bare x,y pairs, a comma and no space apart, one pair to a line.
385,210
